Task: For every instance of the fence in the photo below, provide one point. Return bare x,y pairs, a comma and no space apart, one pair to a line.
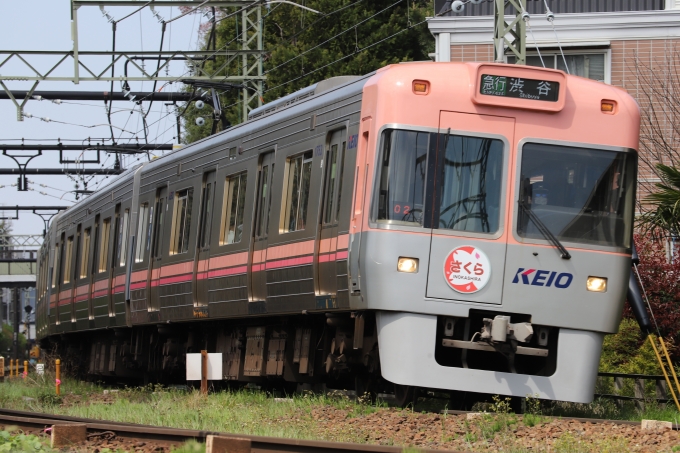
661,394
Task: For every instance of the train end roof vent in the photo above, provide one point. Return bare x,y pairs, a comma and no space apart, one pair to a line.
300,95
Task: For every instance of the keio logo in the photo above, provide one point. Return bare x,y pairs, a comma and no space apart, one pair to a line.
537,277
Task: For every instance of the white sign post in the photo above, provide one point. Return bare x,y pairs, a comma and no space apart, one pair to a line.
40,369
204,367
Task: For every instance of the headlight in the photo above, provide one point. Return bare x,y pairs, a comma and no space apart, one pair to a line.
407,265
596,284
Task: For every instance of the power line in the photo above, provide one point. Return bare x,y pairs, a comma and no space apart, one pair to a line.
332,38
357,51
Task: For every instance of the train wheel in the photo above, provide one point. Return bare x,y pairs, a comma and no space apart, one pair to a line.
405,395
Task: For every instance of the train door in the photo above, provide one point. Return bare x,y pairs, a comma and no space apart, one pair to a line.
156,255
469,235
203,242
258,259
334,162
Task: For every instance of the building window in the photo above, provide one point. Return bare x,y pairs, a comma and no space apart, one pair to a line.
123,238
297,193
67,260
104,245
143,224
582,64
181,221
234,207
85,255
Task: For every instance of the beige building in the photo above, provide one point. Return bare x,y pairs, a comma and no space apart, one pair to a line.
633,44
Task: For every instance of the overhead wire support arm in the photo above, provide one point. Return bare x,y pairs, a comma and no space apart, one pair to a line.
44,212
61,171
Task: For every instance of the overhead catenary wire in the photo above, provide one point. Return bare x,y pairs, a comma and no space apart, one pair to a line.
551,18
357,51
353,27
527,20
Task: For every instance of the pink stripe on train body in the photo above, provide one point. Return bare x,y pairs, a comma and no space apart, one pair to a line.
290,262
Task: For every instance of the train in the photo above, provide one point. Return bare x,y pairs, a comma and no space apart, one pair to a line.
457,227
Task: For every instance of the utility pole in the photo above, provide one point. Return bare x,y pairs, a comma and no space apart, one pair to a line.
17,324
516,29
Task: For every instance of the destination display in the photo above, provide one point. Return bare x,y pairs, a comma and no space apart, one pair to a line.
515,87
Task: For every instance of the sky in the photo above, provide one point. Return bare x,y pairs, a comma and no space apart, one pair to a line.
46,25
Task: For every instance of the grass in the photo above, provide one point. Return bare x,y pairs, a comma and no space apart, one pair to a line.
332,417
12,439
245,411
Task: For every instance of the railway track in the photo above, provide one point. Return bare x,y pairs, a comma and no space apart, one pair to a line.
130,431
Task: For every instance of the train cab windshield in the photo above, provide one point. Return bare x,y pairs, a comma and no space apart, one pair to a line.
581,195
468,177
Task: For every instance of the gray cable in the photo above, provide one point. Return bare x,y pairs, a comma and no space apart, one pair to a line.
551,18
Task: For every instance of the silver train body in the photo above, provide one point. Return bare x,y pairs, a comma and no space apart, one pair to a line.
405,227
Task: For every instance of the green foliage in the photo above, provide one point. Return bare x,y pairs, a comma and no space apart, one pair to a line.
664,217
190,447
6,337
303,48
533,413
628,352
13,440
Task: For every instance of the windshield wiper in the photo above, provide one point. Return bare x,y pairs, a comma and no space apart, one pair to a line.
544,230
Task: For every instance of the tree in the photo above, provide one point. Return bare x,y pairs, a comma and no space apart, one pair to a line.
663,215
5,243
302,48
657,84
6,339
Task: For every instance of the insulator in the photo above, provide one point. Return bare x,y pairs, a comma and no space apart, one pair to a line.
458,6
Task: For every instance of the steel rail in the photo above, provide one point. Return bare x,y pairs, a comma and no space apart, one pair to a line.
259,444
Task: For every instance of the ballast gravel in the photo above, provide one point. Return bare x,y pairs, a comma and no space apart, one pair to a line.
495,433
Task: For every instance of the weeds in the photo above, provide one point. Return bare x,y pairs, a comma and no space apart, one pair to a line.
12,439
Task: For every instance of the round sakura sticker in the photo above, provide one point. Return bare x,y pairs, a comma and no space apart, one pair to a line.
467,269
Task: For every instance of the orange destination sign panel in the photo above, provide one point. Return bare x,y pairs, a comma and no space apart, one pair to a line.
515,87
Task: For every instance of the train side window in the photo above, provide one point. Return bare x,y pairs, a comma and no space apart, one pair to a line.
341,169
234,207
297,191
85,253
331,173
401,185
181,221
232,153
263,214
158,227
206,214
67,260
104,244
55,264
335,158
123,238
141,232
